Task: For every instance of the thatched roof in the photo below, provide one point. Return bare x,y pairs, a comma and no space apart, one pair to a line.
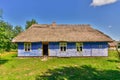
56,33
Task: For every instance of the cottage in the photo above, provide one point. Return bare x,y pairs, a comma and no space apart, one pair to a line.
63,40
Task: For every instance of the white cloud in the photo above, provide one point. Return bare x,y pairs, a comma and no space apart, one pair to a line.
102,2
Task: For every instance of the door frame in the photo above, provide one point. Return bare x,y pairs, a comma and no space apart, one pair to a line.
45,43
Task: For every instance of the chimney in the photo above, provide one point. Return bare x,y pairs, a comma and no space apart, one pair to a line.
53,24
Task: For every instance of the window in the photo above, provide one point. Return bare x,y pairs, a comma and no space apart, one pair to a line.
100,46
79,47
27,46
119,45
63,46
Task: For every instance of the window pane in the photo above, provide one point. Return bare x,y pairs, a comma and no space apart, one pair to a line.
60,44
77,48
27,46
77,44
28,49
25,49
80,48
64,48
100,46
61,48
118,46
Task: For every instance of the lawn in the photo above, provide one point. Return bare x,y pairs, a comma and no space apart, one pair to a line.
83,68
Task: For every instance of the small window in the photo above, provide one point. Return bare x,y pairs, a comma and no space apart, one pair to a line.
63,46
118,45
100,46
27,46
79,47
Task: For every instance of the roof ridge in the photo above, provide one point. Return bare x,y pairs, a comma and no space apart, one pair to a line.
63,24
74,24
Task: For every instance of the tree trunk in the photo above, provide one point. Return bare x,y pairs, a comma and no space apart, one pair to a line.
118,52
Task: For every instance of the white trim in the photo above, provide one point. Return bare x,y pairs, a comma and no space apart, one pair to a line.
63,44
78,45
26,45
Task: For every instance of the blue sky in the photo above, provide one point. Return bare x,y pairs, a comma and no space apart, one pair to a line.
103,15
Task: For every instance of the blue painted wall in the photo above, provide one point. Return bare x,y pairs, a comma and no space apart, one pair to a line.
92,49
36,49
89,49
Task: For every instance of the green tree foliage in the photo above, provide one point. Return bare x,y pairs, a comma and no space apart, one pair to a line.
2,36
7,33
17,30
118,51
30,22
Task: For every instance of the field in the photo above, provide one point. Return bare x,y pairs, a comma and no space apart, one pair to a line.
82,68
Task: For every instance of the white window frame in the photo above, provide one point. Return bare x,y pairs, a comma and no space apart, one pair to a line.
79,46
64,46
100,46
27,47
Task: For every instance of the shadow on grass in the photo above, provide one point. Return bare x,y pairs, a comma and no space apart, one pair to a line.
15,55
2,61
79,73
117,61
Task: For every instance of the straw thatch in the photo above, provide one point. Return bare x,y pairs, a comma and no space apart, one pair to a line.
56,33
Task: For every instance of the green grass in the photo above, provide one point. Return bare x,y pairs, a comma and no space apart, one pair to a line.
94,68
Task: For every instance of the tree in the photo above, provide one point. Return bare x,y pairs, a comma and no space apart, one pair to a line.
2,40
17,30
29,23
118,52
6,35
